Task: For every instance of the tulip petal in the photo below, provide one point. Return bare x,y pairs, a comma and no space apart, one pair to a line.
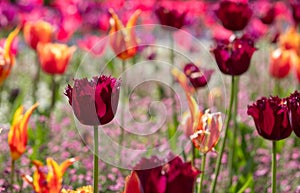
132,183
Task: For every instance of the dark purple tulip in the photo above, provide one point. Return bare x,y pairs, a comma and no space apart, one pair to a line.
94,101
268,16
198,78
233,57
271,118
234,15
171,17
174,176
296,10
294,114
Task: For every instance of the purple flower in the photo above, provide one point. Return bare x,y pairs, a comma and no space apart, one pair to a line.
294,111
198,78
94,101
234,15
233,57
271,118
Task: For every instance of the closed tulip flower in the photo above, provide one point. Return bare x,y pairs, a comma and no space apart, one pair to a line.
6,56
54,57
271,119
198,78
52,182
94,101
18,136
233,57
123,39
294,113
296,10
234,15
37,32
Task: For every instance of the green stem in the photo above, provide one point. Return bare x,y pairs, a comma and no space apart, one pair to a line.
193,154
96,159
277,88
12,174
233,144
202,173
54,92
123,97
36,80
217,169
274,166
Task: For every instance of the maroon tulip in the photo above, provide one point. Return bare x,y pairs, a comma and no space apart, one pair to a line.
174,176
94,101
234,15
296,10
294,114
233,57
198,78
268,16
172,17
271,118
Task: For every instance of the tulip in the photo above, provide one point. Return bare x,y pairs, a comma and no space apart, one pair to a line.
52,182
294,111
6,56
233,57
198,78
271,118
234,15
37,32
169,14
94,101
207,136
174,176
296,10
290,40
17,136
54,57
123,39
281,62
269,15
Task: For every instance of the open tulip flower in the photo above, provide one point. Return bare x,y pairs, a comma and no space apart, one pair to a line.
52,182
290,40
6,56
37,32
233,57
123,39
54,57
174,176
271,118
234,15
94,101
17,136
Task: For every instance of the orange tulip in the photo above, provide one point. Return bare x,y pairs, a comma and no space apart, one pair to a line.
37,32
290,40
54,57
281,62
132,183
203,129
123,39
207,135
17,136
51,183
6,56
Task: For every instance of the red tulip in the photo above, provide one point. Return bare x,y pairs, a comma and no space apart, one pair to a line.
294,111
234,15
233,57
37,32
54,57
198,78
271,118
94,101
